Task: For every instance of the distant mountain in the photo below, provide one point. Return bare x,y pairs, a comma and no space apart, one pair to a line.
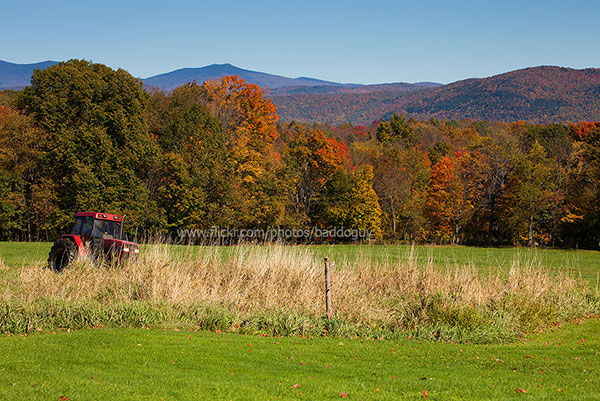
539,94
277,84
356,89
18,76
173,79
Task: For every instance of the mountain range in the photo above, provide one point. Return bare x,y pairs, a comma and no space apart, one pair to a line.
173,79
18,76
538,94
543,94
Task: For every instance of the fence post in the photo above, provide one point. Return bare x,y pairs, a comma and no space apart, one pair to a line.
327,289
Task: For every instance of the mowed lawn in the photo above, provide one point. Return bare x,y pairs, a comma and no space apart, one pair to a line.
579,263
138,364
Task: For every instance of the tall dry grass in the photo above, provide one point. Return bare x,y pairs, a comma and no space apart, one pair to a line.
253,284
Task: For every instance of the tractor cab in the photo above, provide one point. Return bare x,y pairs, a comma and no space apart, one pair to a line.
96,225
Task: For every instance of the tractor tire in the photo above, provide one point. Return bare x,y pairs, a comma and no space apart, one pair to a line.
62,253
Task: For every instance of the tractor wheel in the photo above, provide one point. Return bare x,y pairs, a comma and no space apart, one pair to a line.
62,253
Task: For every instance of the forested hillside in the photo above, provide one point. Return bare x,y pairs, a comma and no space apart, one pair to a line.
539,95
86,137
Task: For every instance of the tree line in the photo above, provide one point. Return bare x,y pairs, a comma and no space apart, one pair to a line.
85,137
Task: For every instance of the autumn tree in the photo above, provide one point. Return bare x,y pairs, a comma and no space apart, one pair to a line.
496,155
580,224
415,168
400,179
249,121
310,159
452,191
445,191
559,145
247,117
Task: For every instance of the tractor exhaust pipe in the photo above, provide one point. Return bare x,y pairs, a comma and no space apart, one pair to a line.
122,225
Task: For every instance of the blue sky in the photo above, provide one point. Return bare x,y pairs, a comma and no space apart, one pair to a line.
367,41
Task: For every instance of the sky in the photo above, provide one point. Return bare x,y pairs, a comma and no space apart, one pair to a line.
368,41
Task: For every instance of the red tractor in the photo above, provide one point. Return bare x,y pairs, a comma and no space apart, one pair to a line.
99,235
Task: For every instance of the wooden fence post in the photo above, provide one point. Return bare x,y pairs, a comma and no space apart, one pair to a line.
327,289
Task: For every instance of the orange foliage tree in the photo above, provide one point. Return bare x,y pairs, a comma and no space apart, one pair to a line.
453,189
249,121
310,160
247,117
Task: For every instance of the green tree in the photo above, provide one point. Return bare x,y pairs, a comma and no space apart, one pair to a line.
98,152
397,130
197,182
180,201
358,207
27,204
529,198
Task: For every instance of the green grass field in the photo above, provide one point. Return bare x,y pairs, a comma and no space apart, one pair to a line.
561,363
577,262
137,364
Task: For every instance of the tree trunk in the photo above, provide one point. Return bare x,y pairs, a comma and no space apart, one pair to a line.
491,218
393,217
456,230
530,235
